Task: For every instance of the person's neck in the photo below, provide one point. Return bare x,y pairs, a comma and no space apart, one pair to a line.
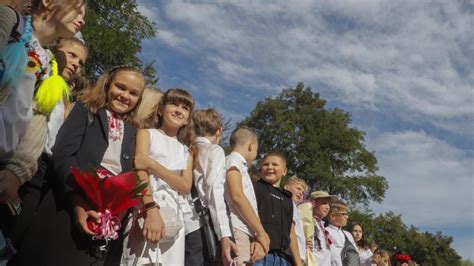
243,151
169,131
42,30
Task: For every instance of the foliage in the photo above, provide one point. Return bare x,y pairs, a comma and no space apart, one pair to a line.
390,233
320,145
113,33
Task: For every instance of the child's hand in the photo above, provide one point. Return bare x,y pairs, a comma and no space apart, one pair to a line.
153,227
309,244
228,247
264,240
82,215
142,162
256,251
9,185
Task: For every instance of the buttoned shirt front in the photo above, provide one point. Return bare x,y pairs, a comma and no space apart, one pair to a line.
209,178
337,237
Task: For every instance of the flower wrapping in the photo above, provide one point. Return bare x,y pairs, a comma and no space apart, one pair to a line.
109,195
305,210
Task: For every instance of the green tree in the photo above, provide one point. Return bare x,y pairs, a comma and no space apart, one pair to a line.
113,33
319,143
390,233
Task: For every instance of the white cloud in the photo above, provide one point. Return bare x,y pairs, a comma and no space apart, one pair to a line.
408,55
431,182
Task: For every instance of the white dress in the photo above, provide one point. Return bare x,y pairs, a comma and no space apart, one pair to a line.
173,155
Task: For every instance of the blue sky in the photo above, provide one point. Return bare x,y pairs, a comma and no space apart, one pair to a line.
404,69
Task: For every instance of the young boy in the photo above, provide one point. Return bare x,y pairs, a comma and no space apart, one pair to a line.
298,187
322,244
241,197
337,219
275,209
209,179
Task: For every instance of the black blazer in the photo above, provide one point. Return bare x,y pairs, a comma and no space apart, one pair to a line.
82,142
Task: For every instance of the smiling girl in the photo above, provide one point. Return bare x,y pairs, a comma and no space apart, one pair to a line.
96,134
164,161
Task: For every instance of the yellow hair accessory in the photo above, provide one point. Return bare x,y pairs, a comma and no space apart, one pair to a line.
51,90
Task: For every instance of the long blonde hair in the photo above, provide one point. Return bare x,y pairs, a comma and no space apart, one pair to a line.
95,97
146,115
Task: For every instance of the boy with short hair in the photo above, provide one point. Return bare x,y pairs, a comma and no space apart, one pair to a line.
337,219
275,209
298,187
241,197
321,244
209,178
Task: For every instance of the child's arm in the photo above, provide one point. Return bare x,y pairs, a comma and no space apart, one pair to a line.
181,183
240,201
153,227
295,253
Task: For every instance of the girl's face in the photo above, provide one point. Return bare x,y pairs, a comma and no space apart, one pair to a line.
124,91
175,115
69,23
357,232
71,57
321,207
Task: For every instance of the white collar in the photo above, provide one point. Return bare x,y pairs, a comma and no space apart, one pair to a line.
238,155
203,140
335,227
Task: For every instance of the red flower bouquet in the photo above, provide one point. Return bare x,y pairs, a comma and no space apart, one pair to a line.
109,195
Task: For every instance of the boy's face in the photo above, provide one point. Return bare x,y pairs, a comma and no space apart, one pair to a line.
321,207
297,190
273,169
339,218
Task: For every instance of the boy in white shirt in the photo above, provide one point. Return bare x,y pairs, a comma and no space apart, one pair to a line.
337,219
209,177
249,234
298,187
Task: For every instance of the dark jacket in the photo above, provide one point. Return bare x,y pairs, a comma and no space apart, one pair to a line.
82,142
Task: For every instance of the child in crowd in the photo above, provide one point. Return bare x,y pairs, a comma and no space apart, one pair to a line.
381,258
97,134
275,209
27,157
337,219
321,245
241,197
365,254
298,187
165,162
209,177
146,115
20,67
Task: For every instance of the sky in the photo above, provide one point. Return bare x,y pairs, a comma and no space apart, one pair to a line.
403,69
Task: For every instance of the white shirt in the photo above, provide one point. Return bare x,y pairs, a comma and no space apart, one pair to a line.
365,256
323,255
235,159
300,238
209,179
56,119
337,237
111,160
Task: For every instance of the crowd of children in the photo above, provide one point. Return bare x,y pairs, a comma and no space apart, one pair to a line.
200,206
